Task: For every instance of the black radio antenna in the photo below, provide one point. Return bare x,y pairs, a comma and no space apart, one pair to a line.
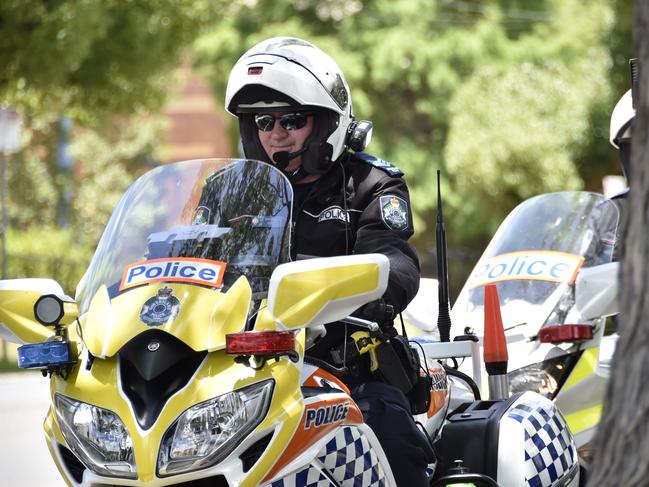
443,315
635,81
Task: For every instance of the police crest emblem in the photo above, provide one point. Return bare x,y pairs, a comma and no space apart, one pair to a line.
394,212
161,308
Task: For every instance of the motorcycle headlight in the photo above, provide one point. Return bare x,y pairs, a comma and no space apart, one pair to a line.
97,436
207,432
543,377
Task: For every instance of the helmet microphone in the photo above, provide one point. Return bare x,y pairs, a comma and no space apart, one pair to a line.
282,158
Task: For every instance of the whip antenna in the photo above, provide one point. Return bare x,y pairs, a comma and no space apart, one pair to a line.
443,316
635,81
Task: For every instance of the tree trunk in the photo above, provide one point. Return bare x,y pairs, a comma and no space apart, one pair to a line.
622,443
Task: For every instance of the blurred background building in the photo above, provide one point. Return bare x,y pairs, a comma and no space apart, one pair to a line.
196,125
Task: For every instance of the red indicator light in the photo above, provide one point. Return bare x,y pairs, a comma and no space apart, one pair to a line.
255,70
260,343
565,333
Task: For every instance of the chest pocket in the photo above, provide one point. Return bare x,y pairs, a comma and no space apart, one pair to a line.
323,233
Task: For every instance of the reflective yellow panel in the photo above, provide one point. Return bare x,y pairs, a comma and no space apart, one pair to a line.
17,314
302,295
201,317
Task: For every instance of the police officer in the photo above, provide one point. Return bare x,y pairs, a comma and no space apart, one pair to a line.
294,110
620,131
621,126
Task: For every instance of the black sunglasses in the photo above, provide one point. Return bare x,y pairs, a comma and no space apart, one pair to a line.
290,121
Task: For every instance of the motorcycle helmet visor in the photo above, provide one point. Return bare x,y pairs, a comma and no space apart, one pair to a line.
290,121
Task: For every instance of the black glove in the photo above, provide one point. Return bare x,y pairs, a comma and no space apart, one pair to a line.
378,310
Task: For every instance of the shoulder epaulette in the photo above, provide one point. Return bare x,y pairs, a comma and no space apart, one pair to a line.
379,163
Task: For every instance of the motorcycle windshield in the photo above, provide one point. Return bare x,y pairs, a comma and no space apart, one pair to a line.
198,224
535,256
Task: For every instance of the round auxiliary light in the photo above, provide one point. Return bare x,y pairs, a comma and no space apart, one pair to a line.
49,309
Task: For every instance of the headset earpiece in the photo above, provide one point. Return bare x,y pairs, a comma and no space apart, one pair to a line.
359,135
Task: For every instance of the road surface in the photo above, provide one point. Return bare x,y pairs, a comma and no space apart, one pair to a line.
24,458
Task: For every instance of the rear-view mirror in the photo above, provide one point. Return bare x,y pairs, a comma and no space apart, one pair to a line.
596,290
18,298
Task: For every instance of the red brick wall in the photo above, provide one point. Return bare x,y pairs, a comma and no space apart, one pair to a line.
198,125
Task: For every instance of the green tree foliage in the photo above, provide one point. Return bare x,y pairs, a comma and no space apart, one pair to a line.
93,57
109,161
48,252
509,98
516,153
101,64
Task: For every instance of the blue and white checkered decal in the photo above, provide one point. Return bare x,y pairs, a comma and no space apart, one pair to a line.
347,458
309,477
550,452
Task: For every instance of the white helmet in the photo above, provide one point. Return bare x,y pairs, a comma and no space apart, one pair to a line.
284,74
621,118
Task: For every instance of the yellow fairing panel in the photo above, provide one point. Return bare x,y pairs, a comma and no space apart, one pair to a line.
583,369
218,374
284,415
300,297
205,316
17,314
581,397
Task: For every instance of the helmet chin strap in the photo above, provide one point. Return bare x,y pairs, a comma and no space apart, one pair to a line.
282,159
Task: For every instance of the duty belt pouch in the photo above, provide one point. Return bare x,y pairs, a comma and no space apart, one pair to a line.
419,395
398,364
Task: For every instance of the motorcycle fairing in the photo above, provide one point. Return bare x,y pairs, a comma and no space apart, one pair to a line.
291,444
322,415
313,376
323,290
578,223
320,449
580,398
217,375
548,450
205,316
17,299
350,456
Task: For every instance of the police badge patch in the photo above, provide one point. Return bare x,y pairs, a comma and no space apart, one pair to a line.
394,212
333,213
161,308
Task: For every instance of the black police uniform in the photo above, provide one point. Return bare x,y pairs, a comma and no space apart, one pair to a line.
362,206
621,200
375,217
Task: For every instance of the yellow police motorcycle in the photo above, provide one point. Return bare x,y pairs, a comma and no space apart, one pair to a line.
183,358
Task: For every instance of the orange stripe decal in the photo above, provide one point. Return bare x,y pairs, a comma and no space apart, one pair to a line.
321,377
318,420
